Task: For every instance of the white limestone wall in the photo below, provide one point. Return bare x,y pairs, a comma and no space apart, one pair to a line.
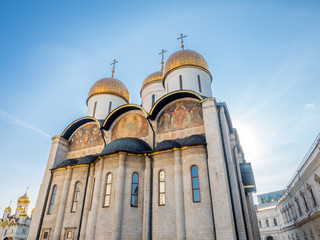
155,88
103,102
189,80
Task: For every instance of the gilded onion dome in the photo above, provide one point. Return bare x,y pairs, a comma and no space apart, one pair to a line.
8,209
24,199
110,86
19,208
24,213
32,210
185,58
153,77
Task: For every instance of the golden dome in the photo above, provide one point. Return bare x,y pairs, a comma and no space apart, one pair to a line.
24,199
185,58
8,209
32,210
153,77
111,86
20,207
24,213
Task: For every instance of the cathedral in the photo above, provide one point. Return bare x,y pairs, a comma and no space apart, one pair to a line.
15,226
170,168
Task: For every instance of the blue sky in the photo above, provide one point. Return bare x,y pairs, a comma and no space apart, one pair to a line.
264,57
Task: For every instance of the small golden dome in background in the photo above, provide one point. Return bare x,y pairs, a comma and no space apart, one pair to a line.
185,58
24,199
153,77
8,209
24,213
111,86
32,210
20,207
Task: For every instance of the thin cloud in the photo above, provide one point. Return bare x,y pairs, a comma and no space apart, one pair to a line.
14,120
310,106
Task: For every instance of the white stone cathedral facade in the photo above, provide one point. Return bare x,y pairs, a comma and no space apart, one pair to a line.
15,225
170,168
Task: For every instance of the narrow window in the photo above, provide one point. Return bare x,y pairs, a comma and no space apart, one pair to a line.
153,99
45,235
267,223
275,222
134,190
162,188
298,205
107,193
199,83
110,106
260,224
305,202
69,234
195,184
53,196
312,196
91,199
180,82
76,196
94,109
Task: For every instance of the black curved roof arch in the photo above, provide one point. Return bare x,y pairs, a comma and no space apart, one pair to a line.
119,111
66,134
171,97
130,145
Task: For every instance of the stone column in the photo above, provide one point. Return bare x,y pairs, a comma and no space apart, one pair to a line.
178,186
87,205
120,185
62,206
147,200
91,230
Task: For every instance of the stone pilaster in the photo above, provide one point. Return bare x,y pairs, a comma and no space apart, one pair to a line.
147,200
87,205
118,209
221,199
178,182
91,229
63,204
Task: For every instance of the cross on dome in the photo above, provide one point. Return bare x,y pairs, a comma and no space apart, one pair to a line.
162,57
114,64
182,37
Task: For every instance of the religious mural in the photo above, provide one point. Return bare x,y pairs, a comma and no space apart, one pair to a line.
180,115
131,125
85,137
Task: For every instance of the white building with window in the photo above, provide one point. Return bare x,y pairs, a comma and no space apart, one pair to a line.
170,168
15,226
299,206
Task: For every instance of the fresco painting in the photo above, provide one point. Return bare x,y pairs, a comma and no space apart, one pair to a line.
131,125
85,137
180,115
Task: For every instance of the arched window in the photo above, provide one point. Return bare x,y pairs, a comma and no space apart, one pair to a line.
76,196
153,99
53,196
314,202
134,190
107,194
162,188
305,202
298,206
110,107
180,82
195,184
260,225
269,238
94,109
275,222
267,223
199,84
